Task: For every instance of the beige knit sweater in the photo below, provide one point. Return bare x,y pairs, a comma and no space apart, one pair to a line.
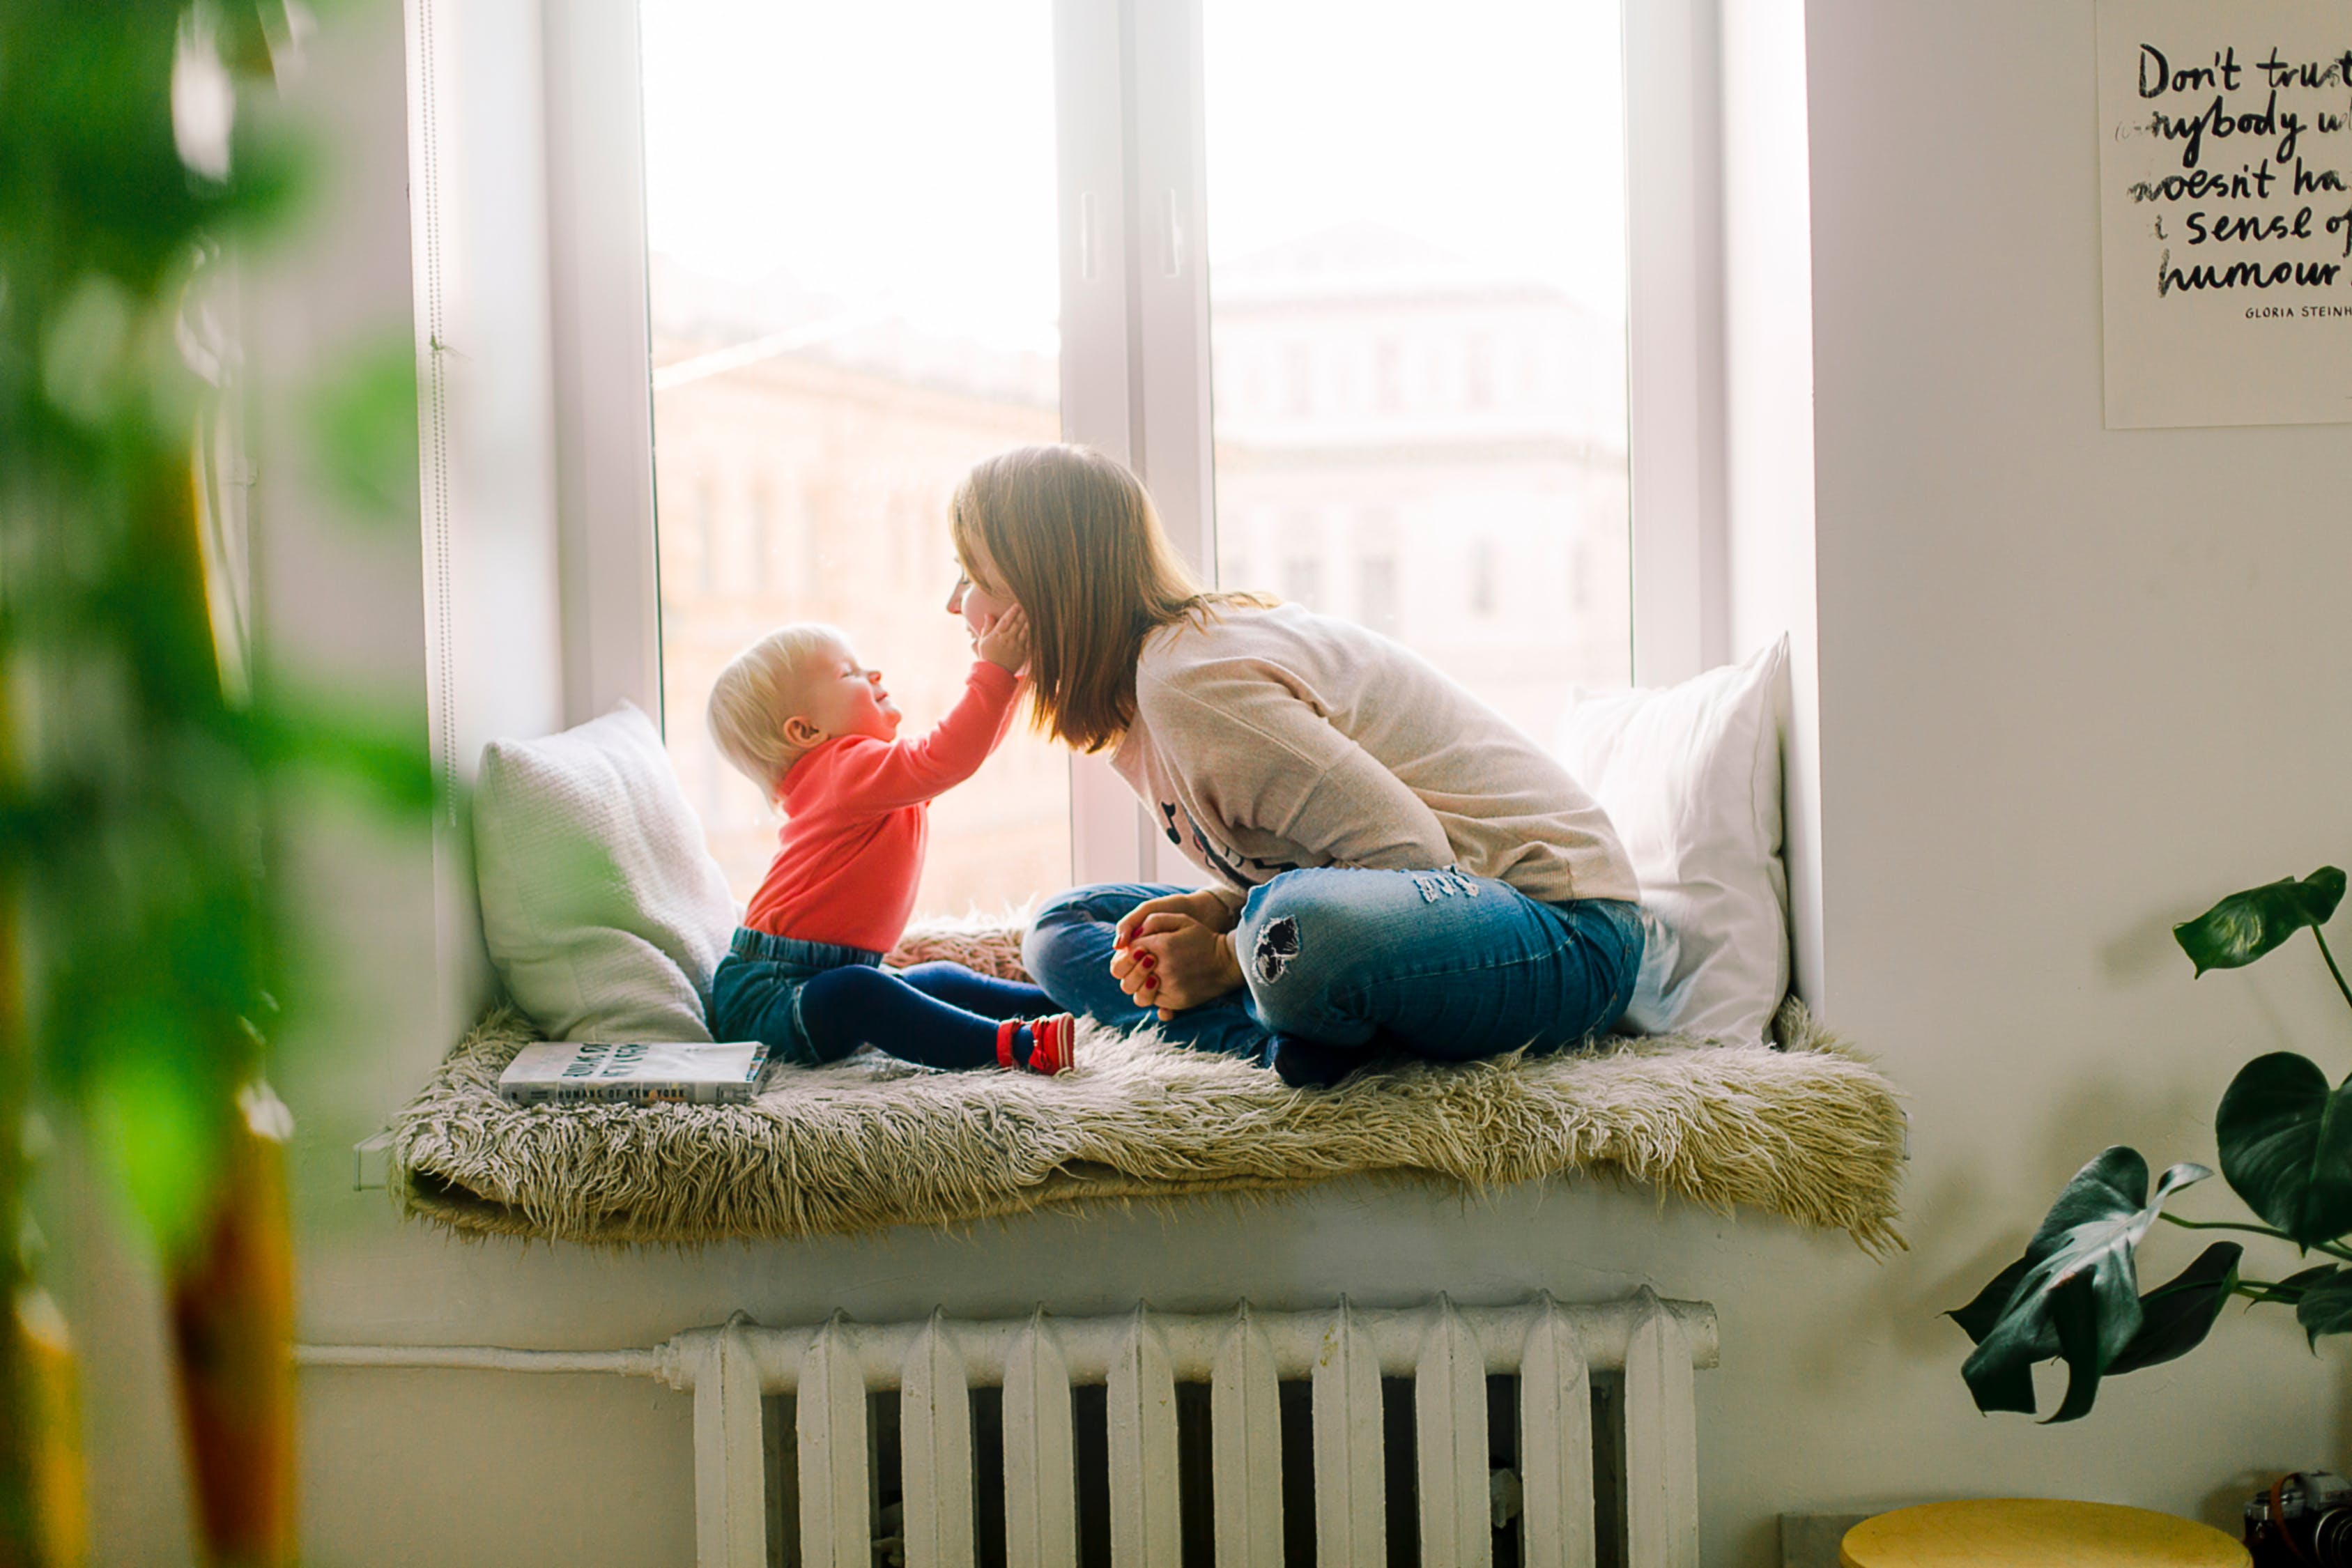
1271,739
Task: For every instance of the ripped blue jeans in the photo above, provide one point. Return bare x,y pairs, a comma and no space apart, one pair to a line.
1433,963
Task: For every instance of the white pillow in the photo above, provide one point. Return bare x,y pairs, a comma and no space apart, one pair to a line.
1691,776
603,911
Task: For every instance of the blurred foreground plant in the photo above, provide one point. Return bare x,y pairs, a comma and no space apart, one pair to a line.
2285,1140
141,767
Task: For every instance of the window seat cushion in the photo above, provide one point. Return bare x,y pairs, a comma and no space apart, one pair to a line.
1810,1131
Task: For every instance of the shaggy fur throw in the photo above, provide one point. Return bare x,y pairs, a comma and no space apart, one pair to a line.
1810,1132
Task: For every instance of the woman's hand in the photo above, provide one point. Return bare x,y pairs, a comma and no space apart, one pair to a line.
1006,642
1200,905
1176,952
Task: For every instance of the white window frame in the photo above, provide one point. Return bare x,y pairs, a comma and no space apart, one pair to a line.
1135,334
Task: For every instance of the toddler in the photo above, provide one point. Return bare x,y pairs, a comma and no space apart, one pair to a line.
802,718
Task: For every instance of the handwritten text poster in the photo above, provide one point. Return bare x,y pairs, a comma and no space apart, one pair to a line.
2226,172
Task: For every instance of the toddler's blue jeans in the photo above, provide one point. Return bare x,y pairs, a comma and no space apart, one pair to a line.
815,1002
1354,962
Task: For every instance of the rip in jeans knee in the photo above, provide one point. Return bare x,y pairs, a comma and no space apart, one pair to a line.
1277,944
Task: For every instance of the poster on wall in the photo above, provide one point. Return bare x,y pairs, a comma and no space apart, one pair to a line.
2225,172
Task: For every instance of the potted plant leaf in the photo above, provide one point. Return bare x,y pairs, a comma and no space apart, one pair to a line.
151,767
2285,1143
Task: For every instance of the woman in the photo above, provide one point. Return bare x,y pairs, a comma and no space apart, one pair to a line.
1394,867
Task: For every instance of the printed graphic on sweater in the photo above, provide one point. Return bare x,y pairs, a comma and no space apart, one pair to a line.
1232,867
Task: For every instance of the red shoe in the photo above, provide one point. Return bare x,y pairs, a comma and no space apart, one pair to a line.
1053,1043
1053,1047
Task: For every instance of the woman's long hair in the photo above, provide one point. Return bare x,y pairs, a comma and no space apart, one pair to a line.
1074,540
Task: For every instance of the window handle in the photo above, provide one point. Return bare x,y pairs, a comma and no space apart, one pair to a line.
1172,258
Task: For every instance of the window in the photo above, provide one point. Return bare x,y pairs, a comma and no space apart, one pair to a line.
869,263
812,336
1479,373
1486,599
1371,201
1388,374
703,551
1376,595
759,543
1299,377
1302,581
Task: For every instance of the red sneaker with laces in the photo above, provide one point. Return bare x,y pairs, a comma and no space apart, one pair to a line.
1053,1045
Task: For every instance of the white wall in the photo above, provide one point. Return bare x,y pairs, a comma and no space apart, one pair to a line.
2070,685
2073,684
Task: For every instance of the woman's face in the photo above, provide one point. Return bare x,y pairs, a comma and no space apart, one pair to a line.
978,595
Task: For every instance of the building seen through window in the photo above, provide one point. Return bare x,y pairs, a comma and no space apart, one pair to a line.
1482,523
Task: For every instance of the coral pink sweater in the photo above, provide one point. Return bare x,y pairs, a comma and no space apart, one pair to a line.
858,816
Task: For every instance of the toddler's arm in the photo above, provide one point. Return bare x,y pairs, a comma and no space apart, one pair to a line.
906,772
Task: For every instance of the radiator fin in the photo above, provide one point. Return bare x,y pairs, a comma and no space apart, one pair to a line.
730,1497
1245,1425
1041,1504
1449,1408
935,1452
1661,1442
1555,1445
837,1531
1350,1509
1145,1529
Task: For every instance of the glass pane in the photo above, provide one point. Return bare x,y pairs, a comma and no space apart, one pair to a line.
854,295
1417,306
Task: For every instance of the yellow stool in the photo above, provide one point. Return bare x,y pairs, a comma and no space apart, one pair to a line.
2035,1533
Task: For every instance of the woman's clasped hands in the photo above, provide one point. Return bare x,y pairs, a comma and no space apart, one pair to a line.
1177,951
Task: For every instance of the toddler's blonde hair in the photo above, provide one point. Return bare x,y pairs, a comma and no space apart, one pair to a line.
753,696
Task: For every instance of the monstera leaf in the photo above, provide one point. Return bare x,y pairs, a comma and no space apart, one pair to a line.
1979,1317
2290,1291
2075,1293
2323,1301
2175,1317
2245,926
2286,1146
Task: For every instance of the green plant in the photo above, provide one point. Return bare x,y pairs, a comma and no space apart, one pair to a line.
2285,1140
145,947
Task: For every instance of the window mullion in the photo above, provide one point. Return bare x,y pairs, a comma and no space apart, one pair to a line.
1170,295
1090,131
604,403
1171,289
1676,364
1109,832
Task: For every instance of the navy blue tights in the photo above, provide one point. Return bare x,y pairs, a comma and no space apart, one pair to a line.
941,1015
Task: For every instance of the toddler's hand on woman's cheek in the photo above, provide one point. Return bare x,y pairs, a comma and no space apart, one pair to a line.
1005,640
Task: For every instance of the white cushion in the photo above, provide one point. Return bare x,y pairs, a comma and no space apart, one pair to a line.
603,909
1691,776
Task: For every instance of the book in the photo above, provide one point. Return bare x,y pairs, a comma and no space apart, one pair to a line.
567,1073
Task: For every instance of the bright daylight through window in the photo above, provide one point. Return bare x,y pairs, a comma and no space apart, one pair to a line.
1416,239
1417,322
854,298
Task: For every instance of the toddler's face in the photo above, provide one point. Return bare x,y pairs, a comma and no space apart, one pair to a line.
841,697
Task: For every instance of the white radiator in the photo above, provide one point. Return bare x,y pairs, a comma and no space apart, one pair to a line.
1140,1358
1449,1352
